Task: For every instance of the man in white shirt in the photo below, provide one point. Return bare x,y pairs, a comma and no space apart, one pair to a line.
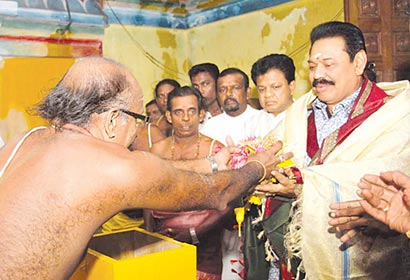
233,92
274,77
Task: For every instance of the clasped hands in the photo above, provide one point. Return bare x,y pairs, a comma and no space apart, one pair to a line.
285,184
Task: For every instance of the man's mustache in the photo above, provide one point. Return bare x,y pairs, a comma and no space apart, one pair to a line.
322,81
230,99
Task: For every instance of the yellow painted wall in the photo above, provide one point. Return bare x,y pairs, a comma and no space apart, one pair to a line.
152,54
156,53
23,83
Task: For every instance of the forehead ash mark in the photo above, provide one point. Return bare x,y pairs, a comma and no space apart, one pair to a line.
317,56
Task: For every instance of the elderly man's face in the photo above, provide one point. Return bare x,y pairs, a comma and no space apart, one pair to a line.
232,94
333,76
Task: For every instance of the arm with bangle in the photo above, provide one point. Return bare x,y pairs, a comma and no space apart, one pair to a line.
284,183
217,216
227,185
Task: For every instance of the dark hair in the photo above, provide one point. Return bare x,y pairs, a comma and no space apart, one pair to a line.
152,102
233,70
211,68
185,91
370,71
75,101
351,34
280,62
171,82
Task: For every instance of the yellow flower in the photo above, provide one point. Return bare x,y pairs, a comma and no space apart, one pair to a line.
240,217
286,163
255,199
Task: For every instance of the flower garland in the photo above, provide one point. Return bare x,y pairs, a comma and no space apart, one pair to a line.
249,146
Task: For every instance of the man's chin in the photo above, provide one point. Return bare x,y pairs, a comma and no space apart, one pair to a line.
210,101
270,108
231,109
325,96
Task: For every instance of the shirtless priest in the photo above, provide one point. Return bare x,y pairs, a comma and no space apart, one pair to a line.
58,184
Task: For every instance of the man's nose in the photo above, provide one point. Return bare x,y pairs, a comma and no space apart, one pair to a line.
269,92
229,91
185,116
319,71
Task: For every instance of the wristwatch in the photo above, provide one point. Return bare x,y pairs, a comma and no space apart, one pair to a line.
213,163
194,238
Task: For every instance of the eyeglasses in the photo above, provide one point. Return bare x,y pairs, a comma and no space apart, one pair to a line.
136,116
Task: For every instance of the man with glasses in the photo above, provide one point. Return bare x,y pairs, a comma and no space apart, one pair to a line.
58,184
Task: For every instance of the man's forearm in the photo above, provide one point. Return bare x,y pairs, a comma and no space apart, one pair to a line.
215,191
237,182
197,165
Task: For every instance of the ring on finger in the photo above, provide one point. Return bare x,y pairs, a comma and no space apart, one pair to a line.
281,158
385,209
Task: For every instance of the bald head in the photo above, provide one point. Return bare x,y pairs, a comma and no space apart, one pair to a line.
91,85
95,70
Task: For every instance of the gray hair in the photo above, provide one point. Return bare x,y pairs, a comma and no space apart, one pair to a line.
95,87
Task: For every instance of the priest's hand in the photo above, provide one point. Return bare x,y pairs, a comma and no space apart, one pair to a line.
224,156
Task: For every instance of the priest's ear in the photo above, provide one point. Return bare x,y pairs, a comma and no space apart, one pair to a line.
110,119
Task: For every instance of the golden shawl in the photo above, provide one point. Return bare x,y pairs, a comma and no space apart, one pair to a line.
380,143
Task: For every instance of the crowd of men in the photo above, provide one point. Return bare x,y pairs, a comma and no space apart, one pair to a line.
339,212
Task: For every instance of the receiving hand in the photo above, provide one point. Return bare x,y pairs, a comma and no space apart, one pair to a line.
285,184
349,218
387,198
270,159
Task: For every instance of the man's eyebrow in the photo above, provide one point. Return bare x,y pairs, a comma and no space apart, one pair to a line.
325,59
